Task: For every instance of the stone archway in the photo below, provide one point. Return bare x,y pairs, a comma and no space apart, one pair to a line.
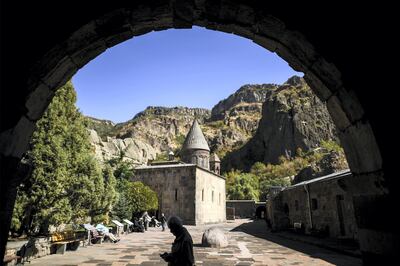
60,63
261,212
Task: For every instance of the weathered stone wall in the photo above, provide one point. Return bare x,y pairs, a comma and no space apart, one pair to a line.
175,188
301,214
327,213
243,208
199,157
179,190
276,216
209,208
294,205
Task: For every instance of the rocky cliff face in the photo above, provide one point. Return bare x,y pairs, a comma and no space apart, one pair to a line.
102,127
133,150
234,122
248,98
151,132
292,117
161,127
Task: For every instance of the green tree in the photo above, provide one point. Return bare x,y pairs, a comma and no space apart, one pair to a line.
122,169
258,169
66,184
122,208
244,187
231,178
134,198
142,198
331,145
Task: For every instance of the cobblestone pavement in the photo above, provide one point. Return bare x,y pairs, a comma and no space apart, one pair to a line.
249,244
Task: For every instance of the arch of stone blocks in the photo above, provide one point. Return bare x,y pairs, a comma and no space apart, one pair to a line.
61,62
64,60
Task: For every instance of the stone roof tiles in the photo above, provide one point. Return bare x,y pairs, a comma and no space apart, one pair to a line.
195,139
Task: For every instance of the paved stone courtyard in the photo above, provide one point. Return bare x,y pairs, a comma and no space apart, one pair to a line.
249,244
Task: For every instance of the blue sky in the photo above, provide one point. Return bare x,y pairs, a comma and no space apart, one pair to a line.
186,67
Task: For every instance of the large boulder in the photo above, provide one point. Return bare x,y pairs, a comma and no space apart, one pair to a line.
214,237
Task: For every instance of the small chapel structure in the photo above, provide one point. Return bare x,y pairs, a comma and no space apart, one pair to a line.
193,188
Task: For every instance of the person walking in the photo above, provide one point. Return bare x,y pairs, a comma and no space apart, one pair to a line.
146,220
182,249
163,221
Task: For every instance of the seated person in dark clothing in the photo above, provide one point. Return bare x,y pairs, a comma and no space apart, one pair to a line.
182,248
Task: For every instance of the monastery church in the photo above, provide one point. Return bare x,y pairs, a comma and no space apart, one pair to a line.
193,188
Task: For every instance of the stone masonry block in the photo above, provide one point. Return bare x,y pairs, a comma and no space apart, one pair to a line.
228,11
337,113
60,73
292,59
265,42
15,141
362,151
118,38
245,15
245,32
365,184
82,38
301,47
183,13
351,105
50,61
319,88
327,73
38,101
269,26
116,22
85,54
212,9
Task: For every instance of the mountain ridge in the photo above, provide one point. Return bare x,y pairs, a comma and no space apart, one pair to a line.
233,123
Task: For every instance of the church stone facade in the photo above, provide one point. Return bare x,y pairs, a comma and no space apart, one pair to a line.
192,189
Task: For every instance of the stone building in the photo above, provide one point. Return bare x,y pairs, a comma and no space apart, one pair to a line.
321,206
188,189
215,164
247,208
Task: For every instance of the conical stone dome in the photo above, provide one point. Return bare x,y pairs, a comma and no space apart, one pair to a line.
195,139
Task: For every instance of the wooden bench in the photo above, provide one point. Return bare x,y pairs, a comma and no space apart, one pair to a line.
95,237
92,234
61,239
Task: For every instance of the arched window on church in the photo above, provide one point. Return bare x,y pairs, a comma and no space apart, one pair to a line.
202,194
212,196
176,194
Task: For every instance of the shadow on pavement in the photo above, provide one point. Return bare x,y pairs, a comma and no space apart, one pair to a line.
259,229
